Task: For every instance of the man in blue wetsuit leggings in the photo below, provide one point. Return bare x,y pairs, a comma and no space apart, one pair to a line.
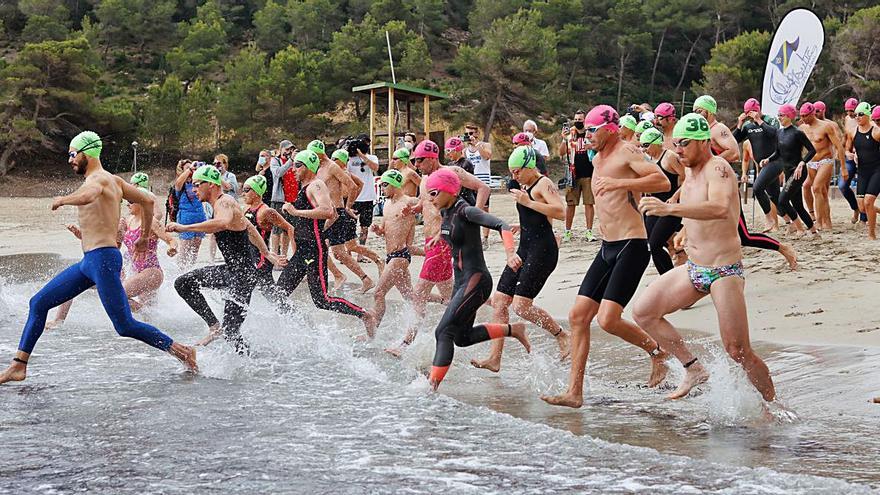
97,202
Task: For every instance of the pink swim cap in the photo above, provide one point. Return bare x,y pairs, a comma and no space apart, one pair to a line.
664,110
426,149
875,114
788,110
752,105
522,139
807,109
603,115
851,104
820,106
454,144
444,180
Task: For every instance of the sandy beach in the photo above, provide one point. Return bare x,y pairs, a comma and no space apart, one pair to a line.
828,301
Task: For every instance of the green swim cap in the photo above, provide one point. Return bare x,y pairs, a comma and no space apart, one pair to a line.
651,136
257,183
628,121
643,126
707,103
317,147
393,177
207,173
864,107
141,180
403,155
692,126
89,143
522,157
309,159
340,155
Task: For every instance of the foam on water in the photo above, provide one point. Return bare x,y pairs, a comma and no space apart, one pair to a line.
312,411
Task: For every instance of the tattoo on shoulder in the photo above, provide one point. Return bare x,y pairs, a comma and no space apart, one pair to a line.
722,171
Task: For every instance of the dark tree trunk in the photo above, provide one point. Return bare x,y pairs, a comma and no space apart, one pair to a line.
687,61
657,61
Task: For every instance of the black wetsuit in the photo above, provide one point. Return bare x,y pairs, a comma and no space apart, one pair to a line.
791,143
265,280
868,151
466,194
473,283
537,249
763,140
310,259
237,277
660,229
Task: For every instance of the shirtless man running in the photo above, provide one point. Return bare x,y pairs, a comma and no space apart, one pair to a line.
825,136
97,202
342,232
400,161
710,208
398,228
621,173
437,268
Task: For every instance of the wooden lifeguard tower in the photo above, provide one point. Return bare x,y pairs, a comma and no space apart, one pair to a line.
398,96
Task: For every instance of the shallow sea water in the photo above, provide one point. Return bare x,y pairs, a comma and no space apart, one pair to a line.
311,411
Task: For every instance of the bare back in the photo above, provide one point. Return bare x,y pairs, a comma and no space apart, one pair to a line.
618,210
331,173
712,242
411,181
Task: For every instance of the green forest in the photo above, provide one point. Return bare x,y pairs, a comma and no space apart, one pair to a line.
192,77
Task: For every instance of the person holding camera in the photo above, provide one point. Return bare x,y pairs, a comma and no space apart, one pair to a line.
574,147
265,171
479,153
364,166
189,211
279,166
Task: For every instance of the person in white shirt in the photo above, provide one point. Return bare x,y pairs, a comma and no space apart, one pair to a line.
479,153
364,166
540,146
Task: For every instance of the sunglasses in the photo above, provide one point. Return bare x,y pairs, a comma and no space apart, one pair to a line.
471,133
434,193
298,164
383,184
682,143
246,189
645,145
73,154
197,184
594,129
860,114
218,163
418,160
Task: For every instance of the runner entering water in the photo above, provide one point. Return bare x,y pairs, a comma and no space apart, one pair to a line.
237,275
537,202
265,219
473,283
709,206
621,172
312,208
97,202
661,229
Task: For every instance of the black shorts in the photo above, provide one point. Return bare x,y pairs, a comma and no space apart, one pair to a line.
616,271
364,210
869,182
402,254
539,261
344,229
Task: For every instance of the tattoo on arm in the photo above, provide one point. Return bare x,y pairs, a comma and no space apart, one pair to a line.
722,171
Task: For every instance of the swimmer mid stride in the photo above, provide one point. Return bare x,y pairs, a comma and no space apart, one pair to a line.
97,202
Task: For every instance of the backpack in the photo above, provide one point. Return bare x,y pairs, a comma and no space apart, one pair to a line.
171,205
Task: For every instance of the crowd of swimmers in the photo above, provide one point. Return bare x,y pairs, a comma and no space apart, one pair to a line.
666,188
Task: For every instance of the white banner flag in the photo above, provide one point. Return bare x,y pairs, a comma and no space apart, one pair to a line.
793,54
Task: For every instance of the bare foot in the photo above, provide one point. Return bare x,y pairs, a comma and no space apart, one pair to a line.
659,369
491,363
369,321
368,284
213,333
855,217
338,280
694,376
790,255
186,355
54,324
518,331
564,342
567,400
16,372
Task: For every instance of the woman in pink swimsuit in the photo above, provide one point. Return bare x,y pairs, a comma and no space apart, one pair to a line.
145,275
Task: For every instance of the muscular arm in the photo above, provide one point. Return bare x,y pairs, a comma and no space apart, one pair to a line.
181,179
354,191
650,179
161,233
470,181
223,217
323,209
835,141
370,163
86,193
552,206
726,141
277,220
746,160
721,193
346,182
486,151
256,239
138,196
